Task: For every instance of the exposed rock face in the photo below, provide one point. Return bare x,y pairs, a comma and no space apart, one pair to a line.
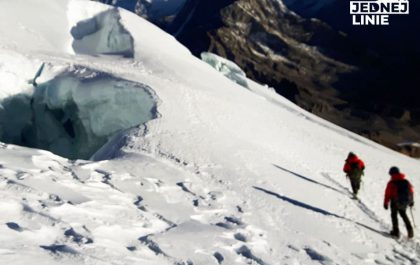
337,76
411,149
275,47
159,12
365,86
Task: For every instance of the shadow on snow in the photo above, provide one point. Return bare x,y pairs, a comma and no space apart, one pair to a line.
316,209
344,191
309,179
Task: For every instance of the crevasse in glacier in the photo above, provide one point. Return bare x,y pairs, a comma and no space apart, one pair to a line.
226,67
102,34
75,113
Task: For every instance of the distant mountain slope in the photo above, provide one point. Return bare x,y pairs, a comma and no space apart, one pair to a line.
160,12
338,76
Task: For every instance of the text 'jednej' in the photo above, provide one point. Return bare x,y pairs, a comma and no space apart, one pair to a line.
377,12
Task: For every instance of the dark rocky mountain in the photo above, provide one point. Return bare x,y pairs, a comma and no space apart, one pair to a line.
159,12
361,78
127,4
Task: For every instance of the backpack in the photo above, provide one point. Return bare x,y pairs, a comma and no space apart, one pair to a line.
354,165
404,196
356,171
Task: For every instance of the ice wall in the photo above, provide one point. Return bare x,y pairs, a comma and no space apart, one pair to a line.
103,34
226,67
74,114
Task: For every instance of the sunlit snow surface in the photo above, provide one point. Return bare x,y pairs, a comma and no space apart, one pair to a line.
224,174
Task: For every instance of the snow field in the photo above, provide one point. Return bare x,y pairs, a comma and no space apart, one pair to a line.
224,175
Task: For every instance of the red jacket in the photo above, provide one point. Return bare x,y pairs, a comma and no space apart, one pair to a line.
353,160
391,191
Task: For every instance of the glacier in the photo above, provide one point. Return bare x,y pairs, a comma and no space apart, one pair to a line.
75,113
226,67
102,34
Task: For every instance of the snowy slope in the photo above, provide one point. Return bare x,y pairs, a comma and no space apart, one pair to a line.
222,175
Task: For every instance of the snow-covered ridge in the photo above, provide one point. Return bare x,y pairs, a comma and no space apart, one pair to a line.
224,174
32,32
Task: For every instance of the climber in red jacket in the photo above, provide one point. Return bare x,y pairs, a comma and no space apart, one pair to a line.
354,169
400,193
